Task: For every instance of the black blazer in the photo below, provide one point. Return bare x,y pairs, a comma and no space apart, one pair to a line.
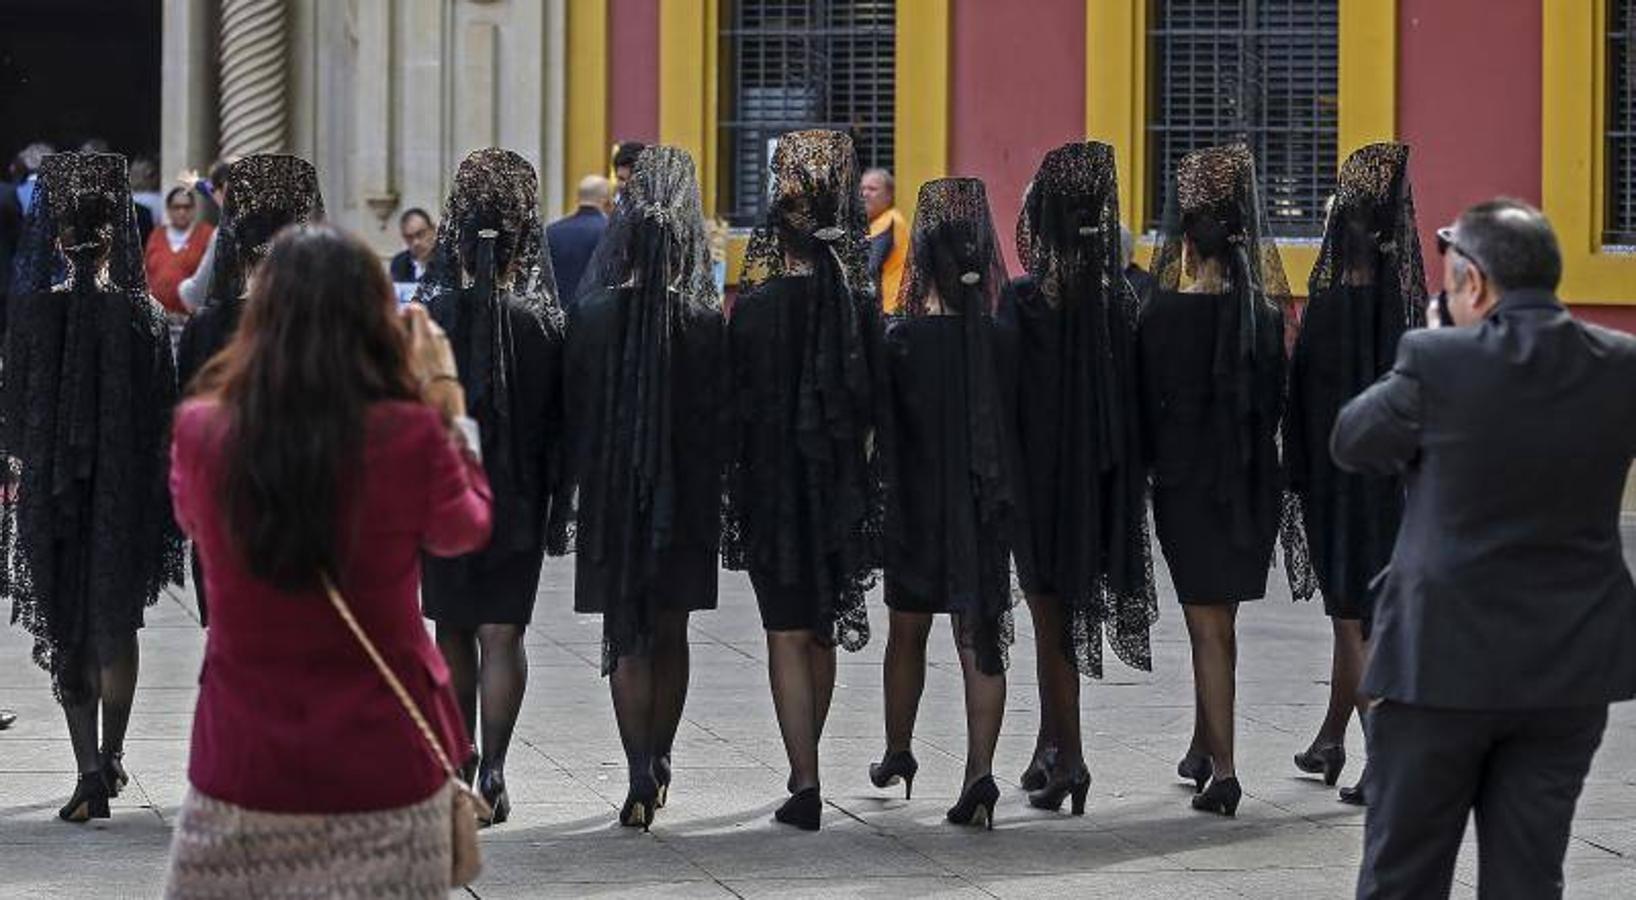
573,239
402,268
1507,588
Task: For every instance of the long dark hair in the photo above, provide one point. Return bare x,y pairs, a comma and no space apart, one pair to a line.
319,342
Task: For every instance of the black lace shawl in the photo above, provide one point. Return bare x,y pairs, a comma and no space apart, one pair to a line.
1219,183
811,517
85,400
1089,539
652,275
268,193
1367,289
955,256
490,277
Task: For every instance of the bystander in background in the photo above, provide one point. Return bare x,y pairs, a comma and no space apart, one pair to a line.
888,235
574,237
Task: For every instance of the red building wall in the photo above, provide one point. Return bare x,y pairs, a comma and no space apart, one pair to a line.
633,70
1016,90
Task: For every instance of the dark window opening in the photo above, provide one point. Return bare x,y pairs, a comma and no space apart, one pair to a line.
789,65
1264,72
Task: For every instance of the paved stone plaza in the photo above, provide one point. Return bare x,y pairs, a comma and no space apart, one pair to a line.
716,839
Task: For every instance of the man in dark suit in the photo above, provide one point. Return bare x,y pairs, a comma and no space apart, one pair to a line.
419,240
1506,621
575,237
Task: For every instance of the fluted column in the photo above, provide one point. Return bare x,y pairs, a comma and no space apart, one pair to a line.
255,108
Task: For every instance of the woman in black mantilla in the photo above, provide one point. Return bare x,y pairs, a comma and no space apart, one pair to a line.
1083,559
85,402
490,287
1368,288
1211,348
269,193
803,514
644,356
948,455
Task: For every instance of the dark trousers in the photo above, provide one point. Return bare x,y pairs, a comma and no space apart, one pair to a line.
1429,769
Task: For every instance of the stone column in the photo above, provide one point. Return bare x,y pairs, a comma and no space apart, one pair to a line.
255,54
188,97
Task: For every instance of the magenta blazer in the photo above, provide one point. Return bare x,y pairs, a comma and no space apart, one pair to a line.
292,717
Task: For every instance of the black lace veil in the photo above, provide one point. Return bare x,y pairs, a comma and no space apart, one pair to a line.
1372,222
815,226
1068,240
655,255
814,203
266,193
954,267
85,400
491,246
1216,188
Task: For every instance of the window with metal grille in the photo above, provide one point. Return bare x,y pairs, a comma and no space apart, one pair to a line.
790,65
1259,71
1620,214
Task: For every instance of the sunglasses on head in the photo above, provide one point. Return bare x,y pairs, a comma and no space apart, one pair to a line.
1446,243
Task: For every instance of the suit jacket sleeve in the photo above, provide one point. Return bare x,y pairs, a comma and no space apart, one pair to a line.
1378,432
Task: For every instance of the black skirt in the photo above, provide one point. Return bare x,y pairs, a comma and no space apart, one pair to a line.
523,457
1347,341
1216,508
802,500
681,576
941,556
499,591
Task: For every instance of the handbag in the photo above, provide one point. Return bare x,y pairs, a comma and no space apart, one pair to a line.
467,806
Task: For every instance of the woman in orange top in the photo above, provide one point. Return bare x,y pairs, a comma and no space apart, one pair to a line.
174,252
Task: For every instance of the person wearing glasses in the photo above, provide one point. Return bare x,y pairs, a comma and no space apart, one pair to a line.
174,253
1504,621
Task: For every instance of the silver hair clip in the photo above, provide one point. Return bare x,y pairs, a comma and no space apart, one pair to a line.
829,235
970,278
487,234
1088,230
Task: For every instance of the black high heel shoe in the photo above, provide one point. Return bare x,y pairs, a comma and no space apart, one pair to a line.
1328,761
802,810
661,775
1061,787
1221,798
1038,773
976,806
1197,768
898,765
641,802
90,800
113,771
492,785
1358,794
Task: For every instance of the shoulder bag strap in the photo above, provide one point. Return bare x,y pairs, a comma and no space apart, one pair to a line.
390,677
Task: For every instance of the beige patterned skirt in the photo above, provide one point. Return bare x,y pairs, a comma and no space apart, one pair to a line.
222,850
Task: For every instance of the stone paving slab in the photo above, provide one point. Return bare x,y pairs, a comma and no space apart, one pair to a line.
1138,840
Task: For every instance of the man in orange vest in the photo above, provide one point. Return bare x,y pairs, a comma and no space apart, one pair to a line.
888,235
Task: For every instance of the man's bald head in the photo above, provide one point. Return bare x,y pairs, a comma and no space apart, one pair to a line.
597,191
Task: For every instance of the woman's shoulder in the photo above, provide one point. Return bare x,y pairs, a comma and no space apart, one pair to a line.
403,418
198,424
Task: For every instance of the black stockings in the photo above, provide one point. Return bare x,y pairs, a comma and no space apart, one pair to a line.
906,679
1058,685
802,671
1345,674
649,692
1210,629
112,691
492,661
